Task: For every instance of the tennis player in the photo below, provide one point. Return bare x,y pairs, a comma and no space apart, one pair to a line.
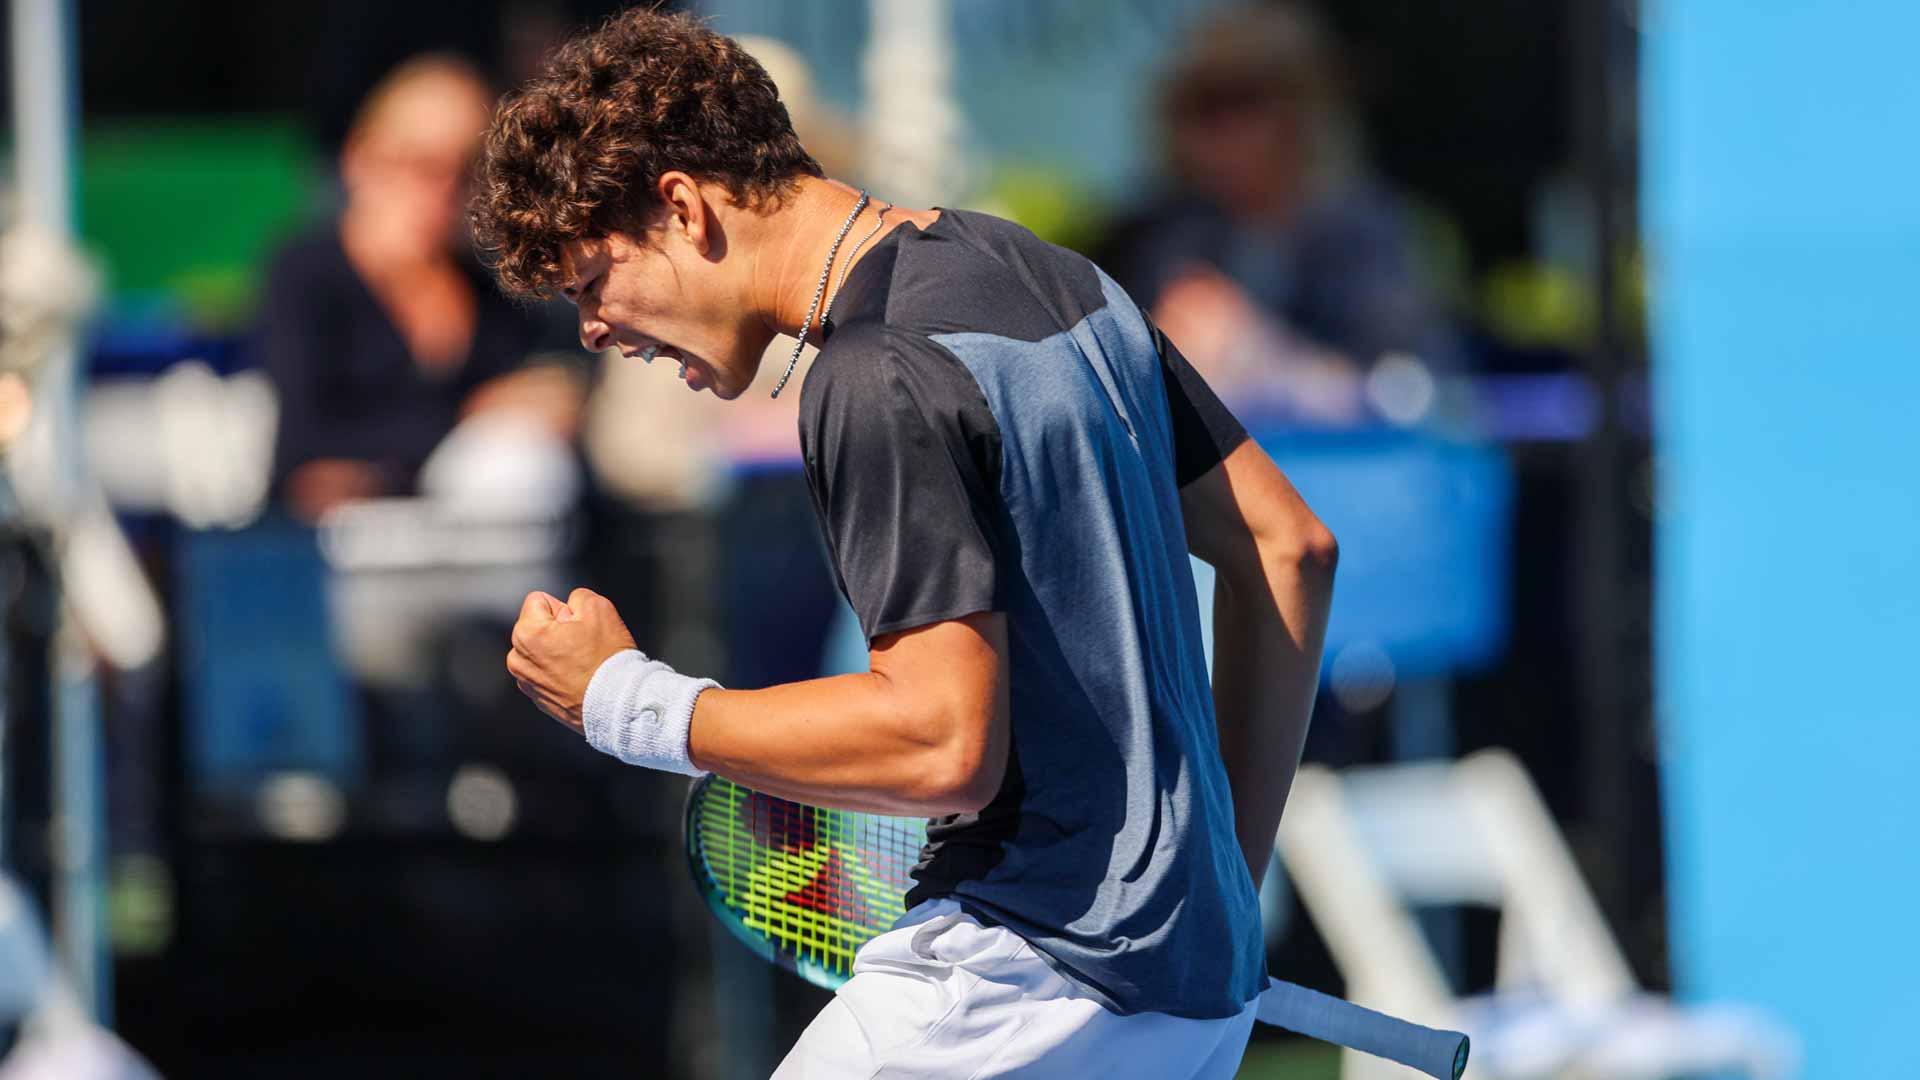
1010,465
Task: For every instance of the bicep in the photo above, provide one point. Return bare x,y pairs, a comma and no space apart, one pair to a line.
951,680
960,663
1244,512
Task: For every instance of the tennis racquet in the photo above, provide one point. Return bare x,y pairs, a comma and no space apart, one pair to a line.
805,887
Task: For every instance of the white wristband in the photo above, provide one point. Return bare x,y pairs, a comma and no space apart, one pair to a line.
639,710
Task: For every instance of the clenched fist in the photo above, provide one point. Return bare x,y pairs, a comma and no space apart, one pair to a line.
557,647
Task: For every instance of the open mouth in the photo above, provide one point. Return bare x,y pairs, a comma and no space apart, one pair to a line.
688,372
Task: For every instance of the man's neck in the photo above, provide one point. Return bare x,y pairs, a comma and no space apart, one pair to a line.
798,237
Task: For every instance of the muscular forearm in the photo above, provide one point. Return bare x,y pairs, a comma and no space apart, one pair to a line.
925,731
847,741
854,742
1268,631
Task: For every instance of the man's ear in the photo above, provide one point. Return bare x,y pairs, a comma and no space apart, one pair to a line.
687,209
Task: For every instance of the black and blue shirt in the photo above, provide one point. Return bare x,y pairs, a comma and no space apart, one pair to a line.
993,425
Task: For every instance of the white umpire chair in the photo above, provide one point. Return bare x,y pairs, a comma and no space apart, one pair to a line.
1366,846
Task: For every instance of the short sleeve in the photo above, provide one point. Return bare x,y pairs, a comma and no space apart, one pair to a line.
1205,431
902,460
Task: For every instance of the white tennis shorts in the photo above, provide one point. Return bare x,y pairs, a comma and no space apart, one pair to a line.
941,997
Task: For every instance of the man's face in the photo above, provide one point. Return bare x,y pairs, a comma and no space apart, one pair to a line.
667,296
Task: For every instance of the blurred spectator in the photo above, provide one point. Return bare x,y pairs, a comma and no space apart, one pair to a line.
379,331
1274,252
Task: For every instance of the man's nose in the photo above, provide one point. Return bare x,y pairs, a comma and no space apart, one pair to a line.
594,334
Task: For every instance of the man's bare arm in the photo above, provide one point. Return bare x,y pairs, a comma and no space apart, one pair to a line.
924,733
1275,563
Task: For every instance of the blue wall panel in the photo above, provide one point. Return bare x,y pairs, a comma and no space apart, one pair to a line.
1782,196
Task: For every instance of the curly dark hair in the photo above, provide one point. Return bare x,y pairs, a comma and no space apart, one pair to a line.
575,152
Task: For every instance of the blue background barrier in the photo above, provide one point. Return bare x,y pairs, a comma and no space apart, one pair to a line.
1422,524
261,689
1782,187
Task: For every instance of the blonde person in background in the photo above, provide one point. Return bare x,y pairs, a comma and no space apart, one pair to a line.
378,330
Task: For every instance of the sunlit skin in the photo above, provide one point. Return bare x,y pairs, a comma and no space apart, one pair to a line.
711,281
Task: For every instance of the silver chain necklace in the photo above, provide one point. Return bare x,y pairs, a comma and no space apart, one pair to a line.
819,291
879,219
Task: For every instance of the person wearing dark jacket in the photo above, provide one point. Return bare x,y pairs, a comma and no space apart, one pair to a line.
379,330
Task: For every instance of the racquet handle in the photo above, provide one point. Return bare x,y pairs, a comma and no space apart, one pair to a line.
1439,1054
